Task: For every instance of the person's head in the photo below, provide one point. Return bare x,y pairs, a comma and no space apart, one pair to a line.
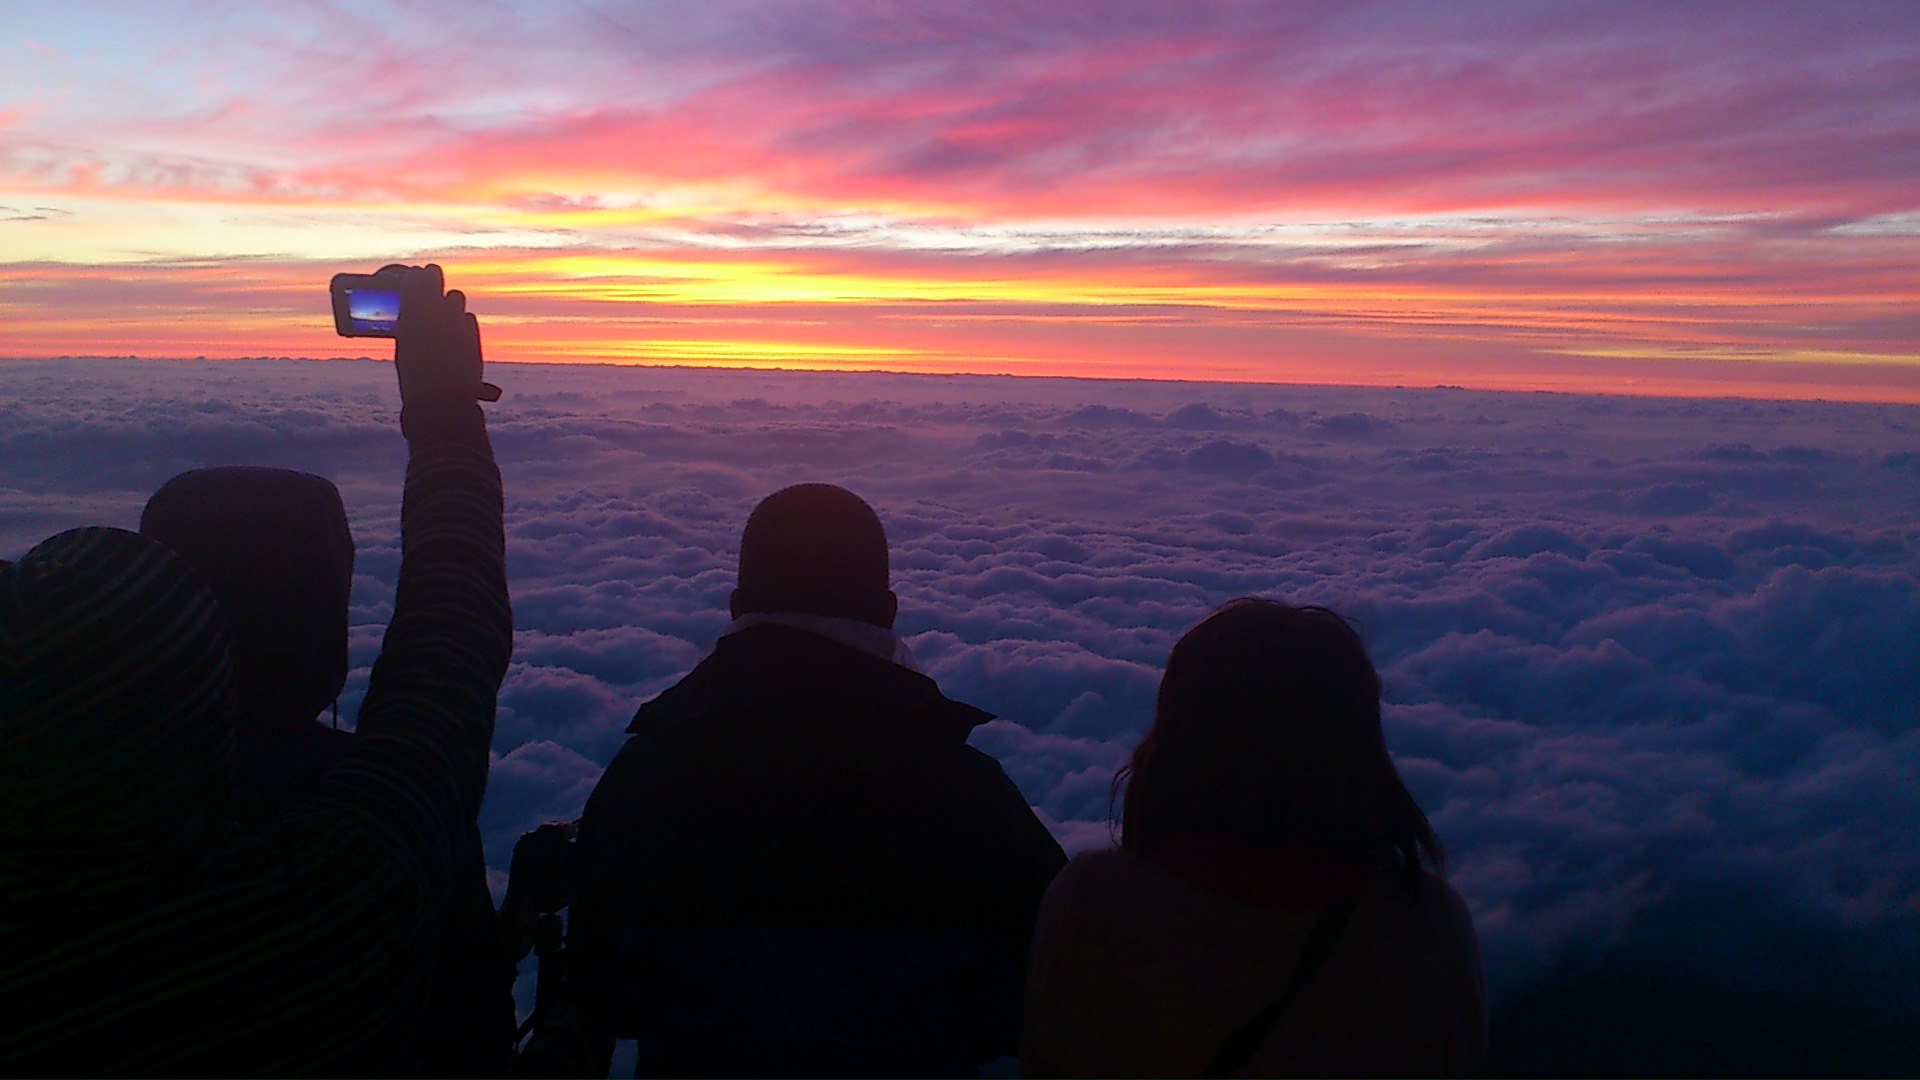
116,727
817,549
274,547
1267,731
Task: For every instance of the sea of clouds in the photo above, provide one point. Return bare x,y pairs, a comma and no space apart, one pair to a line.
1652,665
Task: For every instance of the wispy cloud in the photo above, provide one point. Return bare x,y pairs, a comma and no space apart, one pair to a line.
1534,183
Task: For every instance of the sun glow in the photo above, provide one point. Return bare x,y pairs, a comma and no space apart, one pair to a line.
1115,203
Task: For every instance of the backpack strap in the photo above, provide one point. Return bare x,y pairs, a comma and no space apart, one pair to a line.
1248,1036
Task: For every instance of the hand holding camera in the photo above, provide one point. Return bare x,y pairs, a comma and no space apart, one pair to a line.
436,342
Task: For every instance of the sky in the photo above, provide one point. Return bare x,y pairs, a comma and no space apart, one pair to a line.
1634,197
1649,662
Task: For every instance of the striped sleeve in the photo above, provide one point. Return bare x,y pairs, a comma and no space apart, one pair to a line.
427,720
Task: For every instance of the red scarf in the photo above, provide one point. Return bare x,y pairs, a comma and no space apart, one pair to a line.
1293,876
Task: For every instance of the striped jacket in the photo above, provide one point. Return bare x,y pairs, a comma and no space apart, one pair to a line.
301,950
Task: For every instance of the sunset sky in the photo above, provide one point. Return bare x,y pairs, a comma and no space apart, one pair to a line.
1646,198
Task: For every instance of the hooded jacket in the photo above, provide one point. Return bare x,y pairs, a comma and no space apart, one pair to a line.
798,866
141,932
275,548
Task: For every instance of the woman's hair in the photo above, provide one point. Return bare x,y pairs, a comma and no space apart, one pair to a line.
1268,731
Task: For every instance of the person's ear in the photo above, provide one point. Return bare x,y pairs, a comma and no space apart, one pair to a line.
892,608
734,604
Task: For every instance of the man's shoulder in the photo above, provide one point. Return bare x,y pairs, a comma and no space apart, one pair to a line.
779,671
797,752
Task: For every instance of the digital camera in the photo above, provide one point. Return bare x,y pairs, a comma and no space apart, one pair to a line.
366,305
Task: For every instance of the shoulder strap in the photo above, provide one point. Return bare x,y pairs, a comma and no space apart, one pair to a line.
1247,1038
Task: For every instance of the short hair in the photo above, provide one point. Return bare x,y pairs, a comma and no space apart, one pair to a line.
818,549
1267,731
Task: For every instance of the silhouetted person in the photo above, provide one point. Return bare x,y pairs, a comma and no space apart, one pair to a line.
275,548
1264,830
142,931
797,865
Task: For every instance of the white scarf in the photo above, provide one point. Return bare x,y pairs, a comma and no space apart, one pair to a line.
865,636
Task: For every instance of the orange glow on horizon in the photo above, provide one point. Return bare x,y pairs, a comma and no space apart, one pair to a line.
1458,194
839,310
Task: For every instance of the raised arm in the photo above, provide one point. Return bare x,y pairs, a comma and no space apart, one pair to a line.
427,719
306,949
372,855
446,648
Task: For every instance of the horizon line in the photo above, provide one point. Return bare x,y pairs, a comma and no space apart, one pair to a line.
1671,388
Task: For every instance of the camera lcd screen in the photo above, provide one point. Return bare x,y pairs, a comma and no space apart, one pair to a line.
373,311
365,305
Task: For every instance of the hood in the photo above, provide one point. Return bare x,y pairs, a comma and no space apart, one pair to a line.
273,545
116,736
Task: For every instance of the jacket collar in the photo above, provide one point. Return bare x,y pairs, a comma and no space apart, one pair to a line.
867,637
770,667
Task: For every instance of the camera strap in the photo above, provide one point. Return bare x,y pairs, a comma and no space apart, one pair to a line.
1247,1038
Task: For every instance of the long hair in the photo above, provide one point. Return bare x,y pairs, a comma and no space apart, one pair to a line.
1267,731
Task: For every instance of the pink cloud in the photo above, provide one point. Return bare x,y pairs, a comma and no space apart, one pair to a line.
1523,184
1136,112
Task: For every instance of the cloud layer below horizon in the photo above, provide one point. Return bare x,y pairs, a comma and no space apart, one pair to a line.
1650,663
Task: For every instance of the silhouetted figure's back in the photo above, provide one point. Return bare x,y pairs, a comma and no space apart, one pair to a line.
275,548
797,866
142,932
1275,907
